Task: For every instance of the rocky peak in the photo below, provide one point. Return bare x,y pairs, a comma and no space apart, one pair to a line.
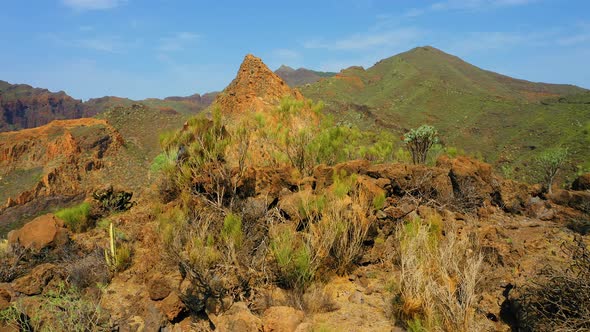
255,87
285,68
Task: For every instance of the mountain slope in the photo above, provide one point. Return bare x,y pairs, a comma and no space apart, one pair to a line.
22,106
505,119
300,76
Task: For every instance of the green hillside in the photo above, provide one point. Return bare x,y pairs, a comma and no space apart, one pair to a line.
507,120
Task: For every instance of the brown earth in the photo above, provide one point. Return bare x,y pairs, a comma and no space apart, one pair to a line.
61,159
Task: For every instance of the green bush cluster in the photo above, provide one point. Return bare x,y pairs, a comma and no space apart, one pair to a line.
76,218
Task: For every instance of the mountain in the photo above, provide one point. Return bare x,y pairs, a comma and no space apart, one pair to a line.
300,76
22,106
255,87
505,119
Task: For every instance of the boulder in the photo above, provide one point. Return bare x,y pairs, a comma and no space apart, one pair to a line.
539,209
34,282
579,200
237,318
44,231
282,319
158,289
172,306
512,196
582,182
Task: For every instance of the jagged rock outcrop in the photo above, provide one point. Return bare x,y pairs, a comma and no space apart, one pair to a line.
22,106
59,155
255,87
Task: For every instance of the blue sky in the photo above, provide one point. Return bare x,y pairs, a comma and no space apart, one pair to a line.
158,48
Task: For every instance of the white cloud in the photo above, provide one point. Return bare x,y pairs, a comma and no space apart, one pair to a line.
365,41
178,42
83,5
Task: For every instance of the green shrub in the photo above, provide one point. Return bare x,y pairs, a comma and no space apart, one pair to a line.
548,164
419,141
379,201
293,258
76,218
232,230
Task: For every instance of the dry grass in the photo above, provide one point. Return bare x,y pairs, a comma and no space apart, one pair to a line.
3,248
558,299
439,276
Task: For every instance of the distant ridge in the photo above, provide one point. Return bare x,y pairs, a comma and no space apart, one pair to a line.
301,76
23,106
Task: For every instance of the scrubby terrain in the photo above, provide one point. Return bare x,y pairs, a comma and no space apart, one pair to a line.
268,213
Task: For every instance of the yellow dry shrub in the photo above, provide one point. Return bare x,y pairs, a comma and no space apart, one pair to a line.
439,277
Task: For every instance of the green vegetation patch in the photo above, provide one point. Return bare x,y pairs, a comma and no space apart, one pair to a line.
76,218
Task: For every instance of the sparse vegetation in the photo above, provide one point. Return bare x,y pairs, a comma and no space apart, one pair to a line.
63,309
558,299
77,218
3,248
118,255
438,287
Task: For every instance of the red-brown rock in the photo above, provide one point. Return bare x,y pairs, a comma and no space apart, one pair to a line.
582,182
44,231
282,319
172,306
34,282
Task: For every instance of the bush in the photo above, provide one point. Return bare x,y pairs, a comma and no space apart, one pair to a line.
419,141
112,200
559,299
64,309
77,218
294,259
89,271
548,164
439,276
3,248
232,229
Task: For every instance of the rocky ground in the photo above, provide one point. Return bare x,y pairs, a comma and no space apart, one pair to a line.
517,230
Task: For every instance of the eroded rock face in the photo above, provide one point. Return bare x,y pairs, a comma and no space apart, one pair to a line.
46,231
53,159
255,87
22,106
35,282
